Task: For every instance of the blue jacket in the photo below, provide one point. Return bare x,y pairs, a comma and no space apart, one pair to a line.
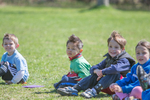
131,79
146,94
123,65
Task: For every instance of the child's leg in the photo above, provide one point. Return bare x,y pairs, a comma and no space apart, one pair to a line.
102,84
136,92
122,95
143,77
3,69
87,82
65,81
106,81
83,84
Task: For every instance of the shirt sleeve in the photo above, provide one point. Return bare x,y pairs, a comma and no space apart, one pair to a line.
100,66
129,82
18,76
122,65
3,57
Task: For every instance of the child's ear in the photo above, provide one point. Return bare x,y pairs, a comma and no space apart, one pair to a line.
2,45
81,50
17,45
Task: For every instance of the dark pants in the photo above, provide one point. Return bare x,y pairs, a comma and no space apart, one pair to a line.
65,81
6,74
91,82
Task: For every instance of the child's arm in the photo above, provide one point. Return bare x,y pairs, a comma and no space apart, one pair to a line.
20,65
18,76
99,66
122,65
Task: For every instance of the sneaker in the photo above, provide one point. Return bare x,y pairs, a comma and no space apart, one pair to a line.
89,93
67,91
115,97
143,77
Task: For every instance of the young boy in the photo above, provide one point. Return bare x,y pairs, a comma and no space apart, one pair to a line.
13,67
79,67
144,80
118,62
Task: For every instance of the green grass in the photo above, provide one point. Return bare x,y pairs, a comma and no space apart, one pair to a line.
43,33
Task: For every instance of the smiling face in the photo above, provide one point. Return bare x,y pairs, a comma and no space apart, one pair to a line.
142,54
72,49
114,48
9,46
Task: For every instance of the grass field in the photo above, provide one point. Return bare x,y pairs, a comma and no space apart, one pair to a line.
43,33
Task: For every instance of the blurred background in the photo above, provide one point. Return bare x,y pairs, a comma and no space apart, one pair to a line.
120,4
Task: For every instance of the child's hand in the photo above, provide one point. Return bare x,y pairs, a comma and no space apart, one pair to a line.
117,88
111,87
98,73
8,82
2,63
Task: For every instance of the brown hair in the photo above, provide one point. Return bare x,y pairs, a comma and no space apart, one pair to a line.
118,38
76,40
12,37
144,43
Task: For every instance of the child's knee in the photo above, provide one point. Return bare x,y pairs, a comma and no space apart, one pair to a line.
136,92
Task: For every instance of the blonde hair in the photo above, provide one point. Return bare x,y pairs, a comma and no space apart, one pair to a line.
118,38
11,37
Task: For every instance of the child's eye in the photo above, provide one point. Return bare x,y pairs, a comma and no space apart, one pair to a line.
110,46
137,53
116,47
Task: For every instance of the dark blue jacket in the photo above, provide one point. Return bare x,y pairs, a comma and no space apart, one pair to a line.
123,65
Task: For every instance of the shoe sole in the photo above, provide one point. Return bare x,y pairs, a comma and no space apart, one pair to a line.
63,93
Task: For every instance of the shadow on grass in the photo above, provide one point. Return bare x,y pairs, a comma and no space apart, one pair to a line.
53,91
3,83
102,95
122,8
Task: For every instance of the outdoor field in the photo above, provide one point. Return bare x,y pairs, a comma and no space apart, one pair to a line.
43,33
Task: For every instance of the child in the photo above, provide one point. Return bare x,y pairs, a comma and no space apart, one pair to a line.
144,80
79,67
13,68
117,63
129,87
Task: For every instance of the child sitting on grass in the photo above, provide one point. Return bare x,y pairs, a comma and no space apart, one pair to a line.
129,88
13,67
117,63
79,67
144,80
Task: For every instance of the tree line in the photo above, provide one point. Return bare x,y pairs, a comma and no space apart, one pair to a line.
133,3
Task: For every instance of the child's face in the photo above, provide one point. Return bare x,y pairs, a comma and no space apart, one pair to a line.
72,49
114,48
9,46
142,54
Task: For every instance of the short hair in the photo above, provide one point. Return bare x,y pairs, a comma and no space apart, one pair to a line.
143,43
76,40
12,37
118,38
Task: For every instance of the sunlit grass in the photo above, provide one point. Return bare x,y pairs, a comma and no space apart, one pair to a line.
43,33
